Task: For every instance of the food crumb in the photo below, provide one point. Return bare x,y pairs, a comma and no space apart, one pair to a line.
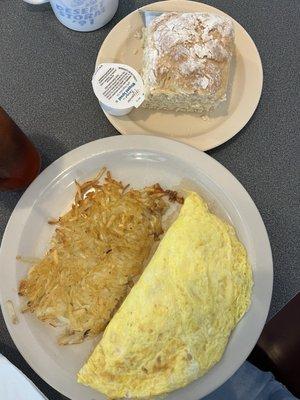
138,34
11,311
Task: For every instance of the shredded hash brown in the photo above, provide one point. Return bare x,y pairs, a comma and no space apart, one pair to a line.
98,250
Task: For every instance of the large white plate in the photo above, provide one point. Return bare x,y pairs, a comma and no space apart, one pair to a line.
140,160
245,85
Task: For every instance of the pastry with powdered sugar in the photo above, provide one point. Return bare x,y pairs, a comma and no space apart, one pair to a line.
187,61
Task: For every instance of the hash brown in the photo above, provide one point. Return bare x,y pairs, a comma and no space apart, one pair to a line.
97,251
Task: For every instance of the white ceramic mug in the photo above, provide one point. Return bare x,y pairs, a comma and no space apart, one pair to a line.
82,15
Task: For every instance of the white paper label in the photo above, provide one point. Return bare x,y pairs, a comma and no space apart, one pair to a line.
118,86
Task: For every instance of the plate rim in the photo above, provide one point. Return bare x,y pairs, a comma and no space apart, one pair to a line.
196,139
129,142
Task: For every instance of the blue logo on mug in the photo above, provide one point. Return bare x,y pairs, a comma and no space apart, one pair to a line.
81,11
82,15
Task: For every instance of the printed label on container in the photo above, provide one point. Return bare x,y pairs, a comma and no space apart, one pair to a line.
118,86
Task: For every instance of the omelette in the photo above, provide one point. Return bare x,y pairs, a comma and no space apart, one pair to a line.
175,323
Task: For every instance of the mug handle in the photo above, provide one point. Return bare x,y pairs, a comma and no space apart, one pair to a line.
36,1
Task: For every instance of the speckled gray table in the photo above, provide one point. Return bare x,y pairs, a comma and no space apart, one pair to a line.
45,72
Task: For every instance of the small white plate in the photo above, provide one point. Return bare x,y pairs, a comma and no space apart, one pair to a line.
122,45
139,160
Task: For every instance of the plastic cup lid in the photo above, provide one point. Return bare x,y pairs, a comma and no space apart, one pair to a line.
118,86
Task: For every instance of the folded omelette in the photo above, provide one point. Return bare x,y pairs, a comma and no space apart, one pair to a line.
175,323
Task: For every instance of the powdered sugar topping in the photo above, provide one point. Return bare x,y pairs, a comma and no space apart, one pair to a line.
191,39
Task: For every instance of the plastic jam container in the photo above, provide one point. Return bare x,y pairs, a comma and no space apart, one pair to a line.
118,87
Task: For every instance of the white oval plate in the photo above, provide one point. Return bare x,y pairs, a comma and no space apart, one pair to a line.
245,84
139,160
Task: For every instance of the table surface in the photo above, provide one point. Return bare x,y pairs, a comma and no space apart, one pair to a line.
45,74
